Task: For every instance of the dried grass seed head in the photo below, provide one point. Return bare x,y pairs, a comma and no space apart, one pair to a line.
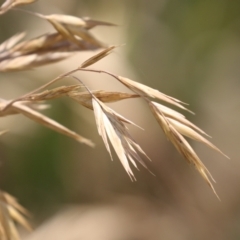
111,126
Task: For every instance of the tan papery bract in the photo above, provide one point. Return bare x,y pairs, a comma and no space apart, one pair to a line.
189,132
97,57
72,21
48,48
54,93
70,27
144,90
111,126
168,112
10,212
48,122
181,144
11,42
85,98
9,4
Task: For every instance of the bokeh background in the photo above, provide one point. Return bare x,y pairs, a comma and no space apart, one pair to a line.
186,49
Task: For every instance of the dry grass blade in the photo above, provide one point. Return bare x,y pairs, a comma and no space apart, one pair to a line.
43,120
97,57
99,116
85,98
32,61
21,2
11,110
48,48
173,132
27,110
65,32
9,4
90,23
86,36
10,211
13,202
5,228
8,112
185,127
49,42
18,217
67,20
72,35
53,93
105,129
189,132
73,22
41,43
168,112
70,27
11,42
144,90
110,126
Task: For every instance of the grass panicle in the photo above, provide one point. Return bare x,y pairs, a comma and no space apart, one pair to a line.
72,34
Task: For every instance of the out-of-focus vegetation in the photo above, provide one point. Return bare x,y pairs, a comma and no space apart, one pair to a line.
187,49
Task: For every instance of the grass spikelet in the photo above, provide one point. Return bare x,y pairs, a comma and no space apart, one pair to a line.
111,125
97,57
9,4
11,212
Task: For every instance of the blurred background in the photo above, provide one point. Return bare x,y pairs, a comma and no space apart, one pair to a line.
186,49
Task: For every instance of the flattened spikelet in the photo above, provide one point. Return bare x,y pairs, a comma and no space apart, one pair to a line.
144,90
11,212
29,112
72,27
9,4
72,36
53,93
11,42
91,23
174,133
46,49
85,98
97,57
111,126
